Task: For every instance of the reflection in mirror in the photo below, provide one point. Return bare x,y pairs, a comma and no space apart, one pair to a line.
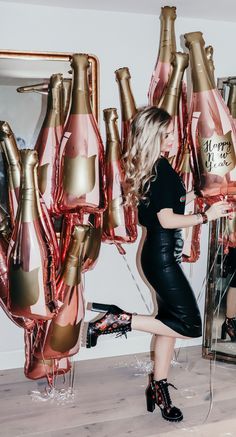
25,110
220,337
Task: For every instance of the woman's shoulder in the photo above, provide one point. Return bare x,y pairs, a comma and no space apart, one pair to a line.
163,165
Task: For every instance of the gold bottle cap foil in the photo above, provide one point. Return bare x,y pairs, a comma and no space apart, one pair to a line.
168,12
80,60
201,75
170,100
122,73
29,157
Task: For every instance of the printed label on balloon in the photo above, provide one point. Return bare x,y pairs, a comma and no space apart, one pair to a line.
217,154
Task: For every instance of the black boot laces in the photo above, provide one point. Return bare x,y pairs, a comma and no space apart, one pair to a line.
164,390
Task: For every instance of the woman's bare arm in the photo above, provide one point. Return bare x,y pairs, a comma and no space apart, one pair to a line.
169,220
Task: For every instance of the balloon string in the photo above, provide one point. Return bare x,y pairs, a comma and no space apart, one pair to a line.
137,286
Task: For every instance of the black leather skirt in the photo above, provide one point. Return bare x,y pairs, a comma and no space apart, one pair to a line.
160,259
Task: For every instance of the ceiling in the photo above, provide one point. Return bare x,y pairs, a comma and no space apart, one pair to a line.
206,9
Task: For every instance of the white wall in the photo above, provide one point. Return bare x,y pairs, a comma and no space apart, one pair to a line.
118,40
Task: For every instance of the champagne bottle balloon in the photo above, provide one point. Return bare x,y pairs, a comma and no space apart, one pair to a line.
212,130
81,173
167,46
31,259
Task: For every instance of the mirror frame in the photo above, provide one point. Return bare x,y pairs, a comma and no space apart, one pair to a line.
60,56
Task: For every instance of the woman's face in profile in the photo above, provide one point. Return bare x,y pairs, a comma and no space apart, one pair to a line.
167,138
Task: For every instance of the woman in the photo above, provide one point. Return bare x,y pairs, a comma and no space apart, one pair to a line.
160,195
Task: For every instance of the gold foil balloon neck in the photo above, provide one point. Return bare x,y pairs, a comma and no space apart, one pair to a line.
231,103
167,35
110,118
128,106
9,144
209,54
170,99
201,74
77,239
168,12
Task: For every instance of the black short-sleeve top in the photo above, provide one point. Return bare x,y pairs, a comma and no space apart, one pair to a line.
166,191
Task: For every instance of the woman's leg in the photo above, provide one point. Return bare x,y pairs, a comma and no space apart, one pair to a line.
153,326
163,354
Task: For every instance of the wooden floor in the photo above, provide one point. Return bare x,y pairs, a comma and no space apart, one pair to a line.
109,401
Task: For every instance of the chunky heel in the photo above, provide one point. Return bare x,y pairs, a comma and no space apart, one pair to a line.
103,308
223,331
150,400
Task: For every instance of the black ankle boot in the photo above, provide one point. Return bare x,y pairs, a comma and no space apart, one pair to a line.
229,327
157,393
115,320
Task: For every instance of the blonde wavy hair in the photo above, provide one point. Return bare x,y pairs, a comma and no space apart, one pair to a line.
143,150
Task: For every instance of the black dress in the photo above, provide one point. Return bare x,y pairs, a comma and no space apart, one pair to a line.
162,252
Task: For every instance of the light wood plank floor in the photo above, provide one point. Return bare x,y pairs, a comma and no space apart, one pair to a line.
109,401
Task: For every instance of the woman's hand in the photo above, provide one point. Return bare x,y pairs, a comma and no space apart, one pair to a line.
219,209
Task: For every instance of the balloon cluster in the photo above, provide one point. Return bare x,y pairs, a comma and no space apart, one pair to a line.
64,198
204,151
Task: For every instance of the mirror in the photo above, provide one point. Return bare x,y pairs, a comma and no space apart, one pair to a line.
25,111
220,298
220,283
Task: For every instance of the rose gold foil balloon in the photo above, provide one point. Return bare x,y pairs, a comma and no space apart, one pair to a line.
36,368
120,221
48,141
93,237
170,102
81,173
167,46
213,137
14,175
61,336
127,104
5,233
14,166
31,266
